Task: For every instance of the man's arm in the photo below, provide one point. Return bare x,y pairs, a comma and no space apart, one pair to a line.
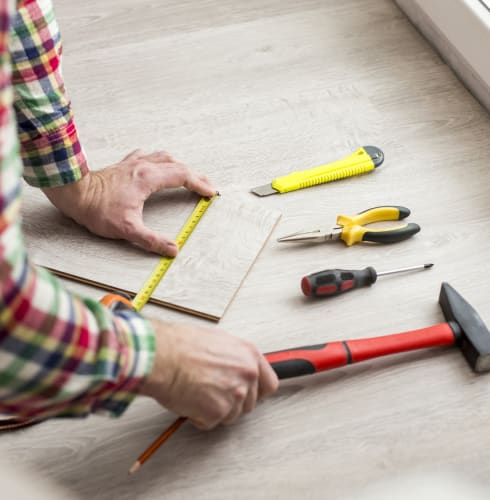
65,355
109,202
50,149
60,354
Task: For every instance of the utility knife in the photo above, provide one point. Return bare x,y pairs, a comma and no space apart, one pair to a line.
364,160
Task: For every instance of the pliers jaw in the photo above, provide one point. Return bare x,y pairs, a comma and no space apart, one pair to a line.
312,235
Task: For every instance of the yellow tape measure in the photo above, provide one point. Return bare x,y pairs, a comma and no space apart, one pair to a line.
146,291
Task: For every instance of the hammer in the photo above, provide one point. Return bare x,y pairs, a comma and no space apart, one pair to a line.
463,327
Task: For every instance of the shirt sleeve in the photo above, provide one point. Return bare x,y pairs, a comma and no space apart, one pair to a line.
60,354
49,144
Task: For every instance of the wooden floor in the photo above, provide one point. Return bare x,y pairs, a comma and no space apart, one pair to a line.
245,91
215,256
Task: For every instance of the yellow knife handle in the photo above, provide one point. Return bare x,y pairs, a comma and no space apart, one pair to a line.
359,162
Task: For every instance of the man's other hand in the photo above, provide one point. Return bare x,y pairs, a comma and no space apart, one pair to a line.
207,375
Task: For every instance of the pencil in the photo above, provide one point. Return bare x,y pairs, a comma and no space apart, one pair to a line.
156,444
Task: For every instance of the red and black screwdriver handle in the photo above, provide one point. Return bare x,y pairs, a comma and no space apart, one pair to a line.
321,357
336,281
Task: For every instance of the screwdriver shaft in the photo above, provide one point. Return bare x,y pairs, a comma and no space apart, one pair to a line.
404,269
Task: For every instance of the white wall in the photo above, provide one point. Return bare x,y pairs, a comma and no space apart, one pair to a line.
460,31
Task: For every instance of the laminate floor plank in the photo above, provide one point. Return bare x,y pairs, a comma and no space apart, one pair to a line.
202,280
243,92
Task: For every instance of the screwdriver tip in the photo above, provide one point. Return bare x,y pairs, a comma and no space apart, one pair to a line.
427,266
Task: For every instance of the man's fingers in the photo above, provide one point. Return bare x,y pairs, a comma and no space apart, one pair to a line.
235,412
152,241
203,425
211,417
191,180
251,399
160,175
268,381
200,184
134,155
159,157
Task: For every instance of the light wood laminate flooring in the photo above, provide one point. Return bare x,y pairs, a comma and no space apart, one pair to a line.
246,91
203,280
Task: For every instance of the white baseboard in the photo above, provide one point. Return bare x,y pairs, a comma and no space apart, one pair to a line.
460,32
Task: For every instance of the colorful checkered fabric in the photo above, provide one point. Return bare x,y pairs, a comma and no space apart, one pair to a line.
60,354
50,148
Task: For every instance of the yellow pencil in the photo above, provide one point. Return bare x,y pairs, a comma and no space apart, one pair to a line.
156,444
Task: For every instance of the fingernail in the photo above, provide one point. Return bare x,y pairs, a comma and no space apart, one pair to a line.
172,249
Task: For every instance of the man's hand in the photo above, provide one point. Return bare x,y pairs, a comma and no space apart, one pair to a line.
206,375
109,202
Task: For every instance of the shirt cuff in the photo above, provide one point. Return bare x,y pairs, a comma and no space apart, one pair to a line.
53,158
130,360
137,336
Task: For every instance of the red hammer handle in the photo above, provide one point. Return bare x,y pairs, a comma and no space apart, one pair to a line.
317,358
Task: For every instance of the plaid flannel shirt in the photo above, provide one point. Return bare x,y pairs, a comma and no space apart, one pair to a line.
60,354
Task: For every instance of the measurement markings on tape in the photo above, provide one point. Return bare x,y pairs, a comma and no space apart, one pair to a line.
146,291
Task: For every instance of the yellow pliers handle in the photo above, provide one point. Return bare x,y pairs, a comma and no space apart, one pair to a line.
354,230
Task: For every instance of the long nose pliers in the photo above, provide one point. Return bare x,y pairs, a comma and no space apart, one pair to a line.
352,228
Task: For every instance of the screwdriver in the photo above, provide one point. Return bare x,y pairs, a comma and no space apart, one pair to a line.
336,281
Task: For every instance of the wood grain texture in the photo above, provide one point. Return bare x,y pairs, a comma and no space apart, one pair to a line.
202,280
245,91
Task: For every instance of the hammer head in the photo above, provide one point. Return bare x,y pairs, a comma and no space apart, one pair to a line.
472,334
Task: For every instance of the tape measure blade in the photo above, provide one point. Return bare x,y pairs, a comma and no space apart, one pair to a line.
146,291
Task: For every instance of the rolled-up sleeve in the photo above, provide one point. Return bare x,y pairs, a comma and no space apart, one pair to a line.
49,143
60,354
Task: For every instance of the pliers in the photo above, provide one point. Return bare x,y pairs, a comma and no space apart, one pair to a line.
351,228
